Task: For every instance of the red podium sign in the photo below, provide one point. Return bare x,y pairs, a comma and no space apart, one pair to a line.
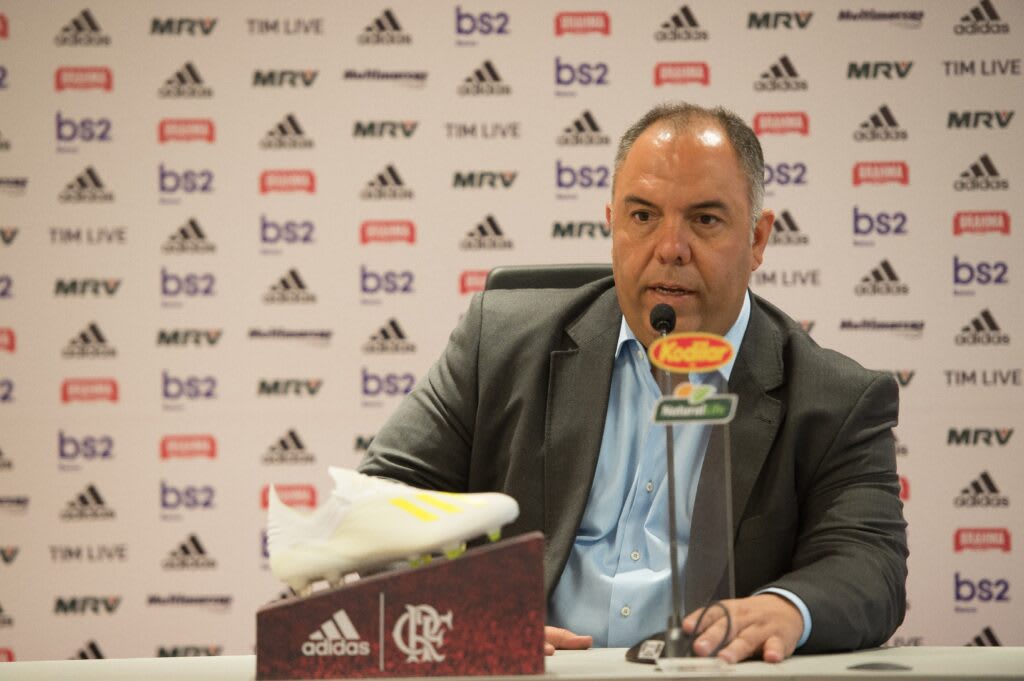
480,614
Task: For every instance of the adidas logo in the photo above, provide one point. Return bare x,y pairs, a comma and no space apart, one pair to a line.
186,82
681,26
384,30
5,144
987,637
82,30
982,18
484,81
981,175
785,231
90,651
386,185
190,555
289,449
983,330
86,187
880,126
5,463
981,492
487,234
189,238
390,338
90,342
287,134
335,637
88,505
883,281
781,75
583,130
289,289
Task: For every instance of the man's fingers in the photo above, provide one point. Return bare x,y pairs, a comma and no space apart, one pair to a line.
558,638
774,650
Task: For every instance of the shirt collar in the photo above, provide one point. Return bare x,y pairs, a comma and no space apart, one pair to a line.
734,335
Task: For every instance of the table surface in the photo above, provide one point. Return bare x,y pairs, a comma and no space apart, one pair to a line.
606,664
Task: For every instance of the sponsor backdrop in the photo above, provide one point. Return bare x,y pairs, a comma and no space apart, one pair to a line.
233,235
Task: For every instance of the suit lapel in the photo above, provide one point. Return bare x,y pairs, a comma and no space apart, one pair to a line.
577,402
757,370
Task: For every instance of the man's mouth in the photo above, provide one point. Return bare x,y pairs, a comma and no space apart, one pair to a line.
671,290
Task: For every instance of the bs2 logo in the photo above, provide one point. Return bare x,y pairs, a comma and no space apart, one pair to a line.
785,173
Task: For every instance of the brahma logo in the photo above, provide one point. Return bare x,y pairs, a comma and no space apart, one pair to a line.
295,495
582,23
276,181
881,172
186,130
981,539
387,231
4,30
471,281
690,352
981,222
8,340
88,390
904,488
681,73
83,78
188,447
781,122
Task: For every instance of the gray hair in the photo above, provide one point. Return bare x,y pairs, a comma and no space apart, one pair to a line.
742,138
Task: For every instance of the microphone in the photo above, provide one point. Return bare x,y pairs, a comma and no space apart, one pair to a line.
663,318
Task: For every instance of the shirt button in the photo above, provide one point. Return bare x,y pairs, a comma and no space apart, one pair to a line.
635,555
625,611
649,486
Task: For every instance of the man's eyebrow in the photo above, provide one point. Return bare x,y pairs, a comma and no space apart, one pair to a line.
632,198
712,204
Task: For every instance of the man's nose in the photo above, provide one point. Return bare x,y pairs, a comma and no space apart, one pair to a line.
673,247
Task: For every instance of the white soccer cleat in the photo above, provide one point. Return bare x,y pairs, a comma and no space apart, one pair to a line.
369,522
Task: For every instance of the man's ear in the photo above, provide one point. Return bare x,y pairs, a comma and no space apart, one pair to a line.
762,230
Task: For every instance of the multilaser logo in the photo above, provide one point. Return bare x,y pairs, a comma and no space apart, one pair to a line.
685,352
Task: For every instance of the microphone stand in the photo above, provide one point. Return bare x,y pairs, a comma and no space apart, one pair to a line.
675,645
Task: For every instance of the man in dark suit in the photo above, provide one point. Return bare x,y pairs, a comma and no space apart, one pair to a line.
544,395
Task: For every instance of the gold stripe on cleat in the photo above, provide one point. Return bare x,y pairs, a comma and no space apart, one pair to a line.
461,498
413,509
437,503
494,535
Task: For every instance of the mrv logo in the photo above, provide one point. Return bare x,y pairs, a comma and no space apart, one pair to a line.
580,230
774,20
69,130
186,497
980,119
390,129
199,337
985,590
284,77
873,70
982,330
478,179
82,605
183,26
336,637
283,387
188,387
979,436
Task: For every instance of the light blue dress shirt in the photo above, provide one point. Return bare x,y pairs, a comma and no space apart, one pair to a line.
616,584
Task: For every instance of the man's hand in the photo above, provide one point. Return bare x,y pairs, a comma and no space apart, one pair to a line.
766,623
555,638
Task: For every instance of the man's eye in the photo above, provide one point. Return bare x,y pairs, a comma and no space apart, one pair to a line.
708,219
641,215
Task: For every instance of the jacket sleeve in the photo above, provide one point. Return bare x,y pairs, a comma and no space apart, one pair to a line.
849,563
428,439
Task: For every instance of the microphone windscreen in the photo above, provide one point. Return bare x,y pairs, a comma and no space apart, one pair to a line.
663,318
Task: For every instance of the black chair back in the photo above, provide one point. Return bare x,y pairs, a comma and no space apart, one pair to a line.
545,276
